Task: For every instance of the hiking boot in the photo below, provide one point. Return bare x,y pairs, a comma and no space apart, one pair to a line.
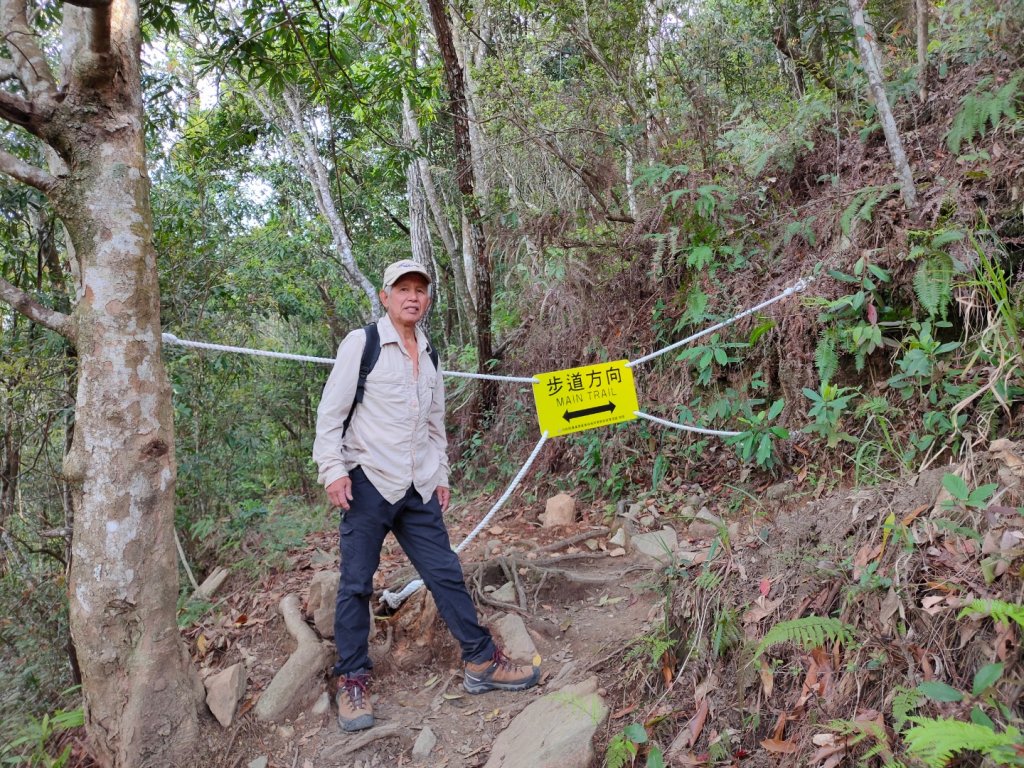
355,713
499,673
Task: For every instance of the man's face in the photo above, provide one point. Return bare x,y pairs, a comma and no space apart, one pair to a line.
408,300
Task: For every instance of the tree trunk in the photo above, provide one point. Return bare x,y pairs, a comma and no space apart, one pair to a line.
922,49
305,157
456,84
461,302
141,694
871,60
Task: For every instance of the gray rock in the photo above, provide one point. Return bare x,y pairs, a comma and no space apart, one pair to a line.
553,732
506,593
559,510
647,521
707,516
779,490
323,592
701,530
657,545
424,744
515,639
260,762
320,557
619,538
223,692
322,705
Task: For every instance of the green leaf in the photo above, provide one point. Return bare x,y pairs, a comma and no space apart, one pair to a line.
986,677
978,717
956,486
636,733
655,759
939,691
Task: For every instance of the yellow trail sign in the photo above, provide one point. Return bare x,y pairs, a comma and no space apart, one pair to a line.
576,399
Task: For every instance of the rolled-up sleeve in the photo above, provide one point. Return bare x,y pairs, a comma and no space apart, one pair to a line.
339,392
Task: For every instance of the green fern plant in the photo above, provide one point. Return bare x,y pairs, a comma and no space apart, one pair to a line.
981,109
808,632
726,633
933,283
1001,612
863,205
856,732
904,702
826,356
936,741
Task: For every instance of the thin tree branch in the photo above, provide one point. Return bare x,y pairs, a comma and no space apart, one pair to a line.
57,322
26,173
17,110
23,43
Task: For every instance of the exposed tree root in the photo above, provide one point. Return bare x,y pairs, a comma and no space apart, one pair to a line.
386,731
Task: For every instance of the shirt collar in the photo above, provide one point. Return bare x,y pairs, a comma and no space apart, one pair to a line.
389,334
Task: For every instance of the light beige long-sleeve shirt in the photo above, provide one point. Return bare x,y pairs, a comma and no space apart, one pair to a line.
397,433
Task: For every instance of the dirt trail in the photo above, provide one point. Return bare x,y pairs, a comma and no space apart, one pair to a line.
583,607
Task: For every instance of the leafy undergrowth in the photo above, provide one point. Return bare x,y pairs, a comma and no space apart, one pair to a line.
878,627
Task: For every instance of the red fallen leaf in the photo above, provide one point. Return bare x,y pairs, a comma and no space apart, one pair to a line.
696,724
872,314
764,587
739,754
779,747
624,711
242,619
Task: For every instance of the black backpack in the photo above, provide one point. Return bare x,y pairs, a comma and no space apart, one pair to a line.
371,351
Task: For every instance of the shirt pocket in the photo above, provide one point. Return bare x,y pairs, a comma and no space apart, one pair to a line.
392,392
425,390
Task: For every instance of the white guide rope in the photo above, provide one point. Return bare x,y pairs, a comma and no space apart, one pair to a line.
798,286
395,599
686,427
170,338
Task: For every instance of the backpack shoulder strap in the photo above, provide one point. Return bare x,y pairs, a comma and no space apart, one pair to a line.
371,351
434,357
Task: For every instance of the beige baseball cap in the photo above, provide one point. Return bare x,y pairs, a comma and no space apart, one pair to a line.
403,267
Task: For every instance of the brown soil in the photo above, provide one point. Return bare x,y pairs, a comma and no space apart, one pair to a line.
889,561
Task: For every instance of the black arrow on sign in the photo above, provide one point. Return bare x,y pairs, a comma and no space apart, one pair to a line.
570,415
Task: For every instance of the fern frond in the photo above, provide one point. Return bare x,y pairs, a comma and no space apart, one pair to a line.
863,205
826,359
981,109
903,703
726,633
1000,611
808,632
936,741
856,731
933,283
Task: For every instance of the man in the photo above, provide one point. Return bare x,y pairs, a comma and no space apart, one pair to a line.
388,471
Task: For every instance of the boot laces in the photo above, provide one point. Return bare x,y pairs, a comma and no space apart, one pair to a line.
502,661
355,687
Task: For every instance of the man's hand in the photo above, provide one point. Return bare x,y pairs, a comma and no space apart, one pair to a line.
444,495
340,492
